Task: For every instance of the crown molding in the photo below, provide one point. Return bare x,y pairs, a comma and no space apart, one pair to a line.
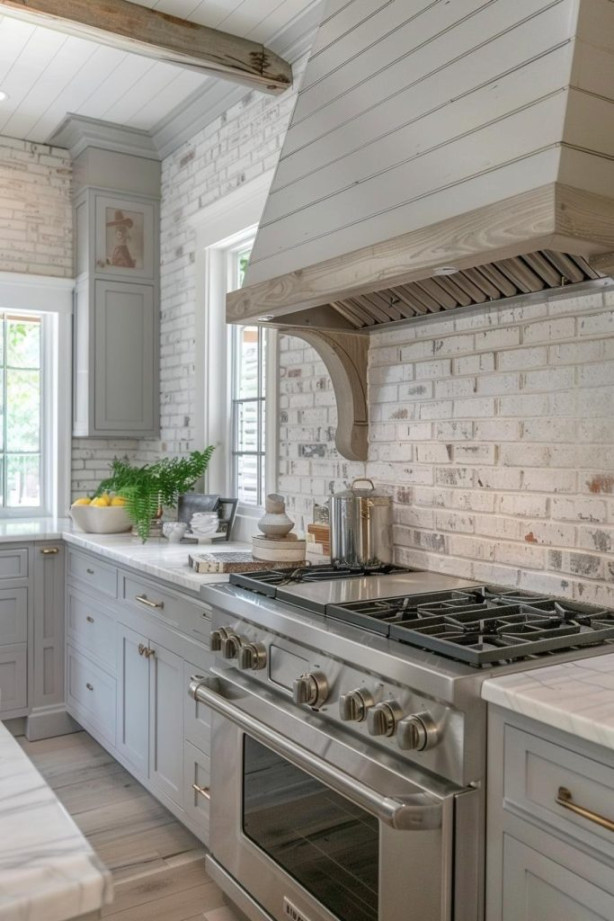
76,133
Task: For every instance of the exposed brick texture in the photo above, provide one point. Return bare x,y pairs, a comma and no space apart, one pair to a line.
35,209
494,432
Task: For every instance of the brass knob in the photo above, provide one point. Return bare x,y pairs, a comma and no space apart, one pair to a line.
89,619
142,649
89,686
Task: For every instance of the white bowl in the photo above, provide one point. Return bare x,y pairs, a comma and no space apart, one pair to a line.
95,519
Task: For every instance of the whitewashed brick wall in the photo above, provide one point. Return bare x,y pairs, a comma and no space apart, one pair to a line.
35,209
494,432
236,148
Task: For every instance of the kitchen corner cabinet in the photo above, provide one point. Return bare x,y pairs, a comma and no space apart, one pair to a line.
116,316
132,643
545,861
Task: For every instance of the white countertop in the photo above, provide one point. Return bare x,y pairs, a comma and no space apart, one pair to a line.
48,871
577,697
157,557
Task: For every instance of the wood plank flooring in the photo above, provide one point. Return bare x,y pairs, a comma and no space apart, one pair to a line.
157,865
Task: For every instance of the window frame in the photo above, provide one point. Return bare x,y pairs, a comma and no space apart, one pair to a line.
223,227
52,298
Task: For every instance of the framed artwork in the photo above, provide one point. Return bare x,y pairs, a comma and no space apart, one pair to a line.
125,237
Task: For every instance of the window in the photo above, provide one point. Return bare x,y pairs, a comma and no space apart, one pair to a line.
232,392
247,396
35,372
22,480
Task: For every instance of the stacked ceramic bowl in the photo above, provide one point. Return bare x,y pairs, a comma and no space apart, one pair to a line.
204,524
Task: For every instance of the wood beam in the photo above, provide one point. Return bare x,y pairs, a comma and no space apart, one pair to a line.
133,28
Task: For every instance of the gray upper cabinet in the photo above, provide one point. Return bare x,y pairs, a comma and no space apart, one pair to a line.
116,315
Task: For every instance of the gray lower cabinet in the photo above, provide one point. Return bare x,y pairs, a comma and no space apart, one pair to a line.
150,697
546,862
15,596
140,657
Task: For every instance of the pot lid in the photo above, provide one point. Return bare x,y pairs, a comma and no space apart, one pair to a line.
356,492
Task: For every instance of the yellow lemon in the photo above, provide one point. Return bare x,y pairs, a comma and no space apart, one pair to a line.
118,500
84,500
101,501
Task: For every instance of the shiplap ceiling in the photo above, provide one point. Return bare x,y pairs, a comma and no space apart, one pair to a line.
47,74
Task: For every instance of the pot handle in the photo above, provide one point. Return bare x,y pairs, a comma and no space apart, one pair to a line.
363,479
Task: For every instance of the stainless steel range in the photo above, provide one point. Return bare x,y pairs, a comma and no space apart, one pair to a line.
348,766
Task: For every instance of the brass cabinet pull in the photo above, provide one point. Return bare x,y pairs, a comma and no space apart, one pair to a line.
89,686
149,653
90,572
142,649
142,599
146,651
564,799
89,619
204,791
50,551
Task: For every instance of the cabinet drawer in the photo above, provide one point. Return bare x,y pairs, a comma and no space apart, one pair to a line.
90,693
91,629
535,771
196,716
197,777
13,678
13,615
101,577
14,564
174,609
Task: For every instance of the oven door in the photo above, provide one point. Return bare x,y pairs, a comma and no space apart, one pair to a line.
319,827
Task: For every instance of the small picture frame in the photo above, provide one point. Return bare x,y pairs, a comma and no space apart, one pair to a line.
227,511
125,237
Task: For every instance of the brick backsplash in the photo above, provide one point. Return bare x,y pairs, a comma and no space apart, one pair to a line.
494,432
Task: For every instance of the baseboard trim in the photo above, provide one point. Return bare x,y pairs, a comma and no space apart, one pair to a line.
47,722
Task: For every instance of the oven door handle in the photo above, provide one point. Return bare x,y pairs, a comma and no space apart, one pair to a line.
407,815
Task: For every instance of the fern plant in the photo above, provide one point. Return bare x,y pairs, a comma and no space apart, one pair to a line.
146,489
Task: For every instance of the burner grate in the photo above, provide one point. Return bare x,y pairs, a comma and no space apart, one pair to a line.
267,581
482,626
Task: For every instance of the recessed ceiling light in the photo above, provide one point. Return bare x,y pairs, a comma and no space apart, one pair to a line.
446,270
3,96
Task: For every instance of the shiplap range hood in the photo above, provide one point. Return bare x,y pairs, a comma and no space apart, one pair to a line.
440,155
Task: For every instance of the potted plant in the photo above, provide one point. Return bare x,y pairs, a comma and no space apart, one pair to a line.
148,488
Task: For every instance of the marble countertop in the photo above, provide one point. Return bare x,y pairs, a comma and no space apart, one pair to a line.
48,871
157,557
577,697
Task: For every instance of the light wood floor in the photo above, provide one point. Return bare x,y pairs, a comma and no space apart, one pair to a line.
157,865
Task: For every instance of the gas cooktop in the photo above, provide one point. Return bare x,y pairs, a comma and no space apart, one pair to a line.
468,622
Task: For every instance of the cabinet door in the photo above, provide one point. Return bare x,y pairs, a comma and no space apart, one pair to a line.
13,615
13,679
167,691
536,888
132,738
125,333
48,624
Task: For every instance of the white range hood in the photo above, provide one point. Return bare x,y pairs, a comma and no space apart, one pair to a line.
441,154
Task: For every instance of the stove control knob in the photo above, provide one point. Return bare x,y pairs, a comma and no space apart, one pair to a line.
231,644
353,706
417,732
311,689
217,637
382,719
252,656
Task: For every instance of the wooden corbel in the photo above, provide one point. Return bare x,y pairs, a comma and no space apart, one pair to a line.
345,356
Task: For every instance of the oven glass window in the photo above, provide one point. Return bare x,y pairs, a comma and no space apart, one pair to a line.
328,845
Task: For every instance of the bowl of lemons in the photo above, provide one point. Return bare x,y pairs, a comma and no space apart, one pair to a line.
106,514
